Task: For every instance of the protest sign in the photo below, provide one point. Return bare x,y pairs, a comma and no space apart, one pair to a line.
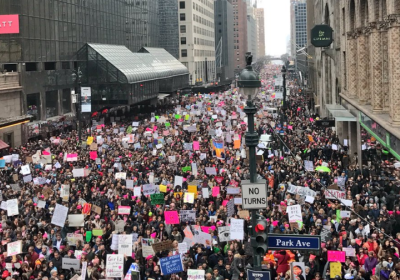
14,248
157,199
350,252
171,264
336,256
124,210
76,220
237,229
188,197
171,217
12,207
162,246
125,244
149,189
298,270
325,235
68,263
147,249
60,215
335,268
294,212
115,266
224,234
196,274
334,194
187,215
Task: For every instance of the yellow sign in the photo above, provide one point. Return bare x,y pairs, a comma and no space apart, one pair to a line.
163,188
336,269
89,140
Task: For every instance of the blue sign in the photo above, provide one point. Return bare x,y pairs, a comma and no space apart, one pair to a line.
293,242
258,275
171,265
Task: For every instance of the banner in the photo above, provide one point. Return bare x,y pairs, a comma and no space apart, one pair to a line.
86,98
334,194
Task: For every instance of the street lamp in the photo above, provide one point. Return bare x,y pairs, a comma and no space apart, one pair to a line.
283,71
249,85
76,77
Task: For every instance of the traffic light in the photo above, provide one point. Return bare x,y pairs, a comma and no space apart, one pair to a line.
261,229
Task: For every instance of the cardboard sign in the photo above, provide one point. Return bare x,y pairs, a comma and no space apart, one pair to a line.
162,246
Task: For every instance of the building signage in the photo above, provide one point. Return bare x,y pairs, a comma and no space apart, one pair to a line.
321,36
293,242
9,24
325,123
258,275
254,196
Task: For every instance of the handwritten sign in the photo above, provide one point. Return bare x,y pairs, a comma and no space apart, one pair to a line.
14,248
157,198
195,274
188,198
68,263
115,266
124,210
162,246
171,265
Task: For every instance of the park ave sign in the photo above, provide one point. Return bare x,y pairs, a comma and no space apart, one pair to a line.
293,242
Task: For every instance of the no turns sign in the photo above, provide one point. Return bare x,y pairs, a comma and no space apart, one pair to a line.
254,196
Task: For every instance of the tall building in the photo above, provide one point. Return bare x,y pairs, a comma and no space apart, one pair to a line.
224,52
259,13
240,33
252,30
169,26
356,79
298,25
197,39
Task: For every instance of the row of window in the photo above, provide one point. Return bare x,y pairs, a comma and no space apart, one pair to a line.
203,11
203,21
202,31
204,53
203,42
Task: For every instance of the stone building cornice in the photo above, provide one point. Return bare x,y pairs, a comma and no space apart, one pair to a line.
351,35
393,20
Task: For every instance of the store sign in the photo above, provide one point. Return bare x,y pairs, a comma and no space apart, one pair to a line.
293,242
9,24
321,36
325,123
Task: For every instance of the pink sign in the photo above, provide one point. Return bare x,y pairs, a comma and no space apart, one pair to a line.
196,145
336,256
171,217
215,191
9,24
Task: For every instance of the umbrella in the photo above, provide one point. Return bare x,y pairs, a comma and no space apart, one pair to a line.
322,169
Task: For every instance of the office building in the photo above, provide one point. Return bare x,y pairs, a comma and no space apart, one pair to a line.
224,52
298,25
197,40
240,33
259,14
252,30
169,26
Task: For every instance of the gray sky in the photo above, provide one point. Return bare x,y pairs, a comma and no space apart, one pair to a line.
277,25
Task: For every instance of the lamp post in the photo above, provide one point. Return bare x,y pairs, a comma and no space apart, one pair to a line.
249,85
283,107
76,77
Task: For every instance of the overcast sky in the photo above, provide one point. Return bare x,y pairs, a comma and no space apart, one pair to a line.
277,25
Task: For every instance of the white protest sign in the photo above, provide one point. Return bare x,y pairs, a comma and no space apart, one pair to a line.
182,248
60,215
68,263
12,207
149,189
345,214
224,234
76,220
25,170
14,248
125,244
115,266
195,274
237,229
294,212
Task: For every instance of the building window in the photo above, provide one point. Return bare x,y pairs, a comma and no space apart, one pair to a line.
182,4
182,17
183,40
66,100
49,66
183,53
33,105
183,28
31,66
51,103
8,138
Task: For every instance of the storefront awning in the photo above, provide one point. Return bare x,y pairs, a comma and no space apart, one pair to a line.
340,113
3,145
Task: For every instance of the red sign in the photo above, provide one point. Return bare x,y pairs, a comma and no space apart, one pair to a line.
9,24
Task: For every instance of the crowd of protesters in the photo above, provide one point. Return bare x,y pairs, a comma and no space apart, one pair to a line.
157,153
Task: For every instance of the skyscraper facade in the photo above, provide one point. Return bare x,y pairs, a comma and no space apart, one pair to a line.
224,52
298,17
240,33
259,13
197,39
169,26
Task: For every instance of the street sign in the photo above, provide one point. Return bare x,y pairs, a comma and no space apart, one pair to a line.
321,36
293,242
258,275
254,196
